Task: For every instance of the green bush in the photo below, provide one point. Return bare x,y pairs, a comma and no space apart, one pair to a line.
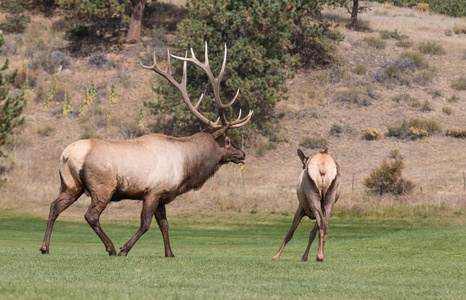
377,43
416,58
426,106
414,129
272,132
264,147
50,62
459,84
354,95
370,134
387,178
402,97
456,132
45,130
403,70
89,133
436,93
16,23
24,76
459,29
387,34
360,69
423,78
447,110
453,98
313,142
431,48
336,130
77,34
404,43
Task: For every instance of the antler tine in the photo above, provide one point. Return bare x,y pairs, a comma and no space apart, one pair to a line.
222,70
181,87
241,122
215,82
199,101
206,55
149,67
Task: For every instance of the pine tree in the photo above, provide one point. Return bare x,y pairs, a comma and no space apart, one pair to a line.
266,40
11,107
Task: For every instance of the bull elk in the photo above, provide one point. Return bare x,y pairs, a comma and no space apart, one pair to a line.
318,189
153,168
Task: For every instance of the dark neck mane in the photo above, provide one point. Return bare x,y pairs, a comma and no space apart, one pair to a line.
202,161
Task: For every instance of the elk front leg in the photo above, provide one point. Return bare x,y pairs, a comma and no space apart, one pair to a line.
92,217
297,218
148,209
161,218
63,201
312,236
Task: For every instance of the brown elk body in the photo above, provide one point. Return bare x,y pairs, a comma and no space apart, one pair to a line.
154,168
318,190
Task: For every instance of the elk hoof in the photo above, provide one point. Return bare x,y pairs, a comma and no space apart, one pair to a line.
320,259
123,251
44,250
275,258
111,252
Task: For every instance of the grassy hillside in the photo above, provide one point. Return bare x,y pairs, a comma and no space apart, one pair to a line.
374,87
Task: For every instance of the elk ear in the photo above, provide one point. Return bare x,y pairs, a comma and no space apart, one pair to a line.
221,131
303,157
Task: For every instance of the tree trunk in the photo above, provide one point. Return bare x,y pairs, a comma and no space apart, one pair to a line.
134,32
354,15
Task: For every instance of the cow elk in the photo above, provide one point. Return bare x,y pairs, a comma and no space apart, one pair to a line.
318,189
153,168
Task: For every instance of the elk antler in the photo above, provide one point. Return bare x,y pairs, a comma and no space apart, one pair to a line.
215,85
181,87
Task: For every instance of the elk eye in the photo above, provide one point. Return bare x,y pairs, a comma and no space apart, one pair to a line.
227,142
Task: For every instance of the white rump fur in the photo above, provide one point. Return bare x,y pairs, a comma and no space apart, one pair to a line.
322,171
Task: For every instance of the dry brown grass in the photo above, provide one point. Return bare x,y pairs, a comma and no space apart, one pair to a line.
435,164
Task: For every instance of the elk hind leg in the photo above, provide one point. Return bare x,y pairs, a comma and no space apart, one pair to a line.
320,226
161,218
320,251
66,197
297,218
92,216
312,236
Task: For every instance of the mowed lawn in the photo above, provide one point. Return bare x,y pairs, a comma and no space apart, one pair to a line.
229,257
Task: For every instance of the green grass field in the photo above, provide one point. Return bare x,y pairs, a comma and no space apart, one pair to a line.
229,257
